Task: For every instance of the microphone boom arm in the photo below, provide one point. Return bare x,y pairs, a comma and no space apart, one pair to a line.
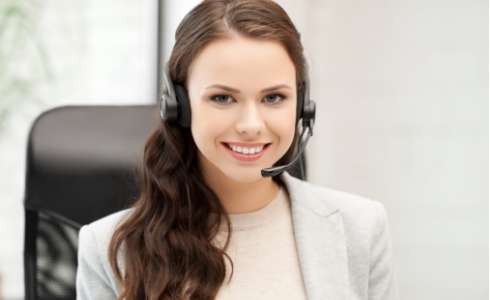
273,171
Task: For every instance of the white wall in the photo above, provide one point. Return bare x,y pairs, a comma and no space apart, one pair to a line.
97,52
174,12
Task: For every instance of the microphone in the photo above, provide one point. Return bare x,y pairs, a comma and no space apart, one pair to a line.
273,171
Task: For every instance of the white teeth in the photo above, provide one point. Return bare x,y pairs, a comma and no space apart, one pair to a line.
245,150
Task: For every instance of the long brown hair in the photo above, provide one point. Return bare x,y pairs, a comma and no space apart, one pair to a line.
167,240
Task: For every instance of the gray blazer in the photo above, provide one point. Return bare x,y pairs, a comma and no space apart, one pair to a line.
343,242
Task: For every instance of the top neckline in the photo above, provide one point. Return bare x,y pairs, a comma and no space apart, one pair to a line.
262,216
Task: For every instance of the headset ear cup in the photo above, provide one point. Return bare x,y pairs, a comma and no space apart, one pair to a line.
184,117
168,108
169,105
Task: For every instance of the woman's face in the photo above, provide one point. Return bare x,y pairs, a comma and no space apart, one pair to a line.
247,114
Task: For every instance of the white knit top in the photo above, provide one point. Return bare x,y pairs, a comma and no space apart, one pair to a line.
263,251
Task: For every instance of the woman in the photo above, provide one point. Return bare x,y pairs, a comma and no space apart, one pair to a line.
207,224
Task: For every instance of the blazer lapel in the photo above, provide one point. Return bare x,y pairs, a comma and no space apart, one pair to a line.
320,241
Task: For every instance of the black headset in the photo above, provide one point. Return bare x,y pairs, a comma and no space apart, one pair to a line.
175,108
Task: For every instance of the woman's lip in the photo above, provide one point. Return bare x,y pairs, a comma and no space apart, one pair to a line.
227,145
247,145
246,157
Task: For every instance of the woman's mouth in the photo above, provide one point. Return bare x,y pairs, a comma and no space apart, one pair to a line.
246,153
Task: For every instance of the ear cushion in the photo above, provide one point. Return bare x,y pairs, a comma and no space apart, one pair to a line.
184,115
300,103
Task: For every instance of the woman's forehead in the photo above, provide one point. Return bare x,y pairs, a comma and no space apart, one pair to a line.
237,60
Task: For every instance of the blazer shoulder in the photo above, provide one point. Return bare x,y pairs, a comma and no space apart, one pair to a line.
105,225
344,201
368,238
103,229
360,213
93,261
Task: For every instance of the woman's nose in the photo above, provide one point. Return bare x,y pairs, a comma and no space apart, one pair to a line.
250,120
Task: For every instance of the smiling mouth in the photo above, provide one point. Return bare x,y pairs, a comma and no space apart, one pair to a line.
229,147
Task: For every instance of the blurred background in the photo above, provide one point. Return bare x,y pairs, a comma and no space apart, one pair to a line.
402,113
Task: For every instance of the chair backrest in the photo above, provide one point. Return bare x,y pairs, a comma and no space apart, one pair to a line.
81,163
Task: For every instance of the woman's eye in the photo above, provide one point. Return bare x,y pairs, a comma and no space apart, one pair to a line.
219,99
270,99
275,96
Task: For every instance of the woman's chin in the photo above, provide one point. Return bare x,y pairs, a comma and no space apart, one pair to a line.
245,175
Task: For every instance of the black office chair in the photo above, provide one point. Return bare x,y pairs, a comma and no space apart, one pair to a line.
81,163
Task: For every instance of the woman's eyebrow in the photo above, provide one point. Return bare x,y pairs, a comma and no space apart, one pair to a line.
234,90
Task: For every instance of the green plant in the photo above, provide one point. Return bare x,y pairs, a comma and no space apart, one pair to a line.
24,62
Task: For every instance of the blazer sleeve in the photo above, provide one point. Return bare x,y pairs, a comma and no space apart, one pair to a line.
91,279
382,278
